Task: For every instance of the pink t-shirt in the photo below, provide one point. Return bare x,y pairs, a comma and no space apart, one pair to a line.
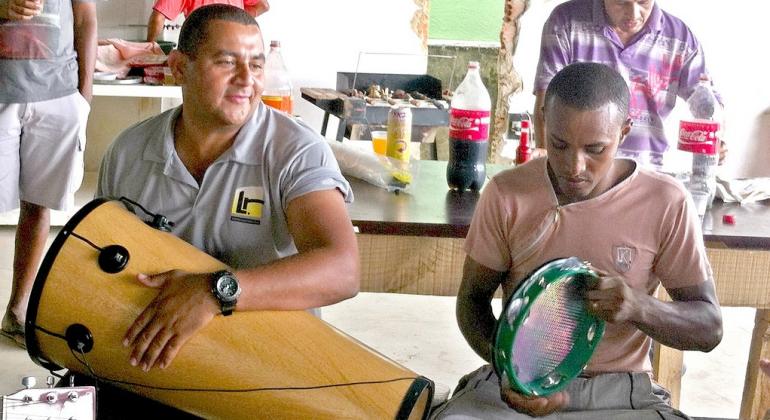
645,229
172,8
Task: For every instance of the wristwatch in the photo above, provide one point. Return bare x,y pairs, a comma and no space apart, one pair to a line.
226,290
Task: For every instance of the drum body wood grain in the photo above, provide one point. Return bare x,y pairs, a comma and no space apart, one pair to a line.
269,364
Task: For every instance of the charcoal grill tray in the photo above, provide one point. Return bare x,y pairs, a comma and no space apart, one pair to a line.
427,85
336,103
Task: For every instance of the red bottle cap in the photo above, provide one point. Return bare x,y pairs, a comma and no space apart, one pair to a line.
728,219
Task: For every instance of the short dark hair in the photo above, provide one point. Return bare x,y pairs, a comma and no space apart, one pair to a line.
195,27
588,86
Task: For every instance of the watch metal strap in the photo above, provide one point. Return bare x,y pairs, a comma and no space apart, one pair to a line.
228,308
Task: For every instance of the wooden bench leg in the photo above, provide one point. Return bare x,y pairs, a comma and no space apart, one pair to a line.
756,389
667,367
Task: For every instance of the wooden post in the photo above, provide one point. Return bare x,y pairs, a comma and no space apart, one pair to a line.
756,389
508,80
420,21
667,363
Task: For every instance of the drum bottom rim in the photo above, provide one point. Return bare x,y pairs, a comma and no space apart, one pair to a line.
30,324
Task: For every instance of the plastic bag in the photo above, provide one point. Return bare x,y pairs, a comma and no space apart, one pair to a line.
381,171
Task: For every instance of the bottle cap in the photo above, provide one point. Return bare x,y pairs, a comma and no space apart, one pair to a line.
275,43
473,64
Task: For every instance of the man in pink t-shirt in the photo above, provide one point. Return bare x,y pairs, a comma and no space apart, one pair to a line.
169,10
583,201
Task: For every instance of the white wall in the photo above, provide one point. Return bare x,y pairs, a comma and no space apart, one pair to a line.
322,38
126,19
734,37
318,39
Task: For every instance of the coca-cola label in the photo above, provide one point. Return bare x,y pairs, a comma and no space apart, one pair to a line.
698,136
468,125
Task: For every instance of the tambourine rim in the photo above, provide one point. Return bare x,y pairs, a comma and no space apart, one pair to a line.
30,336
504,334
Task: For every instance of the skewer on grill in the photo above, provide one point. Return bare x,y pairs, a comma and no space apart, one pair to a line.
435,102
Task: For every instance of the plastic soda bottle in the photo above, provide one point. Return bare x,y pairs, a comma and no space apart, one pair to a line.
278,88
700,136
468,133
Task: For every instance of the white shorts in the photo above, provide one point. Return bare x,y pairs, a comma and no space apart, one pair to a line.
41,152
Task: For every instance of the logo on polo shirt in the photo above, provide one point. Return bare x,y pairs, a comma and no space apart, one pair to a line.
624,257
247,205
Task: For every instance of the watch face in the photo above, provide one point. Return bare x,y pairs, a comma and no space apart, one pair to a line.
227,287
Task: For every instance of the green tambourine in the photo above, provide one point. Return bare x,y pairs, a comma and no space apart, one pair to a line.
545,334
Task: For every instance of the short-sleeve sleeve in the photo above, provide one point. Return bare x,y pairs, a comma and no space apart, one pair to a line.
554,51
169,8
314,168
487,239
682,260
693,66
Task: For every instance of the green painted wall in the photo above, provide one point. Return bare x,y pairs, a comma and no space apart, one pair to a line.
466,20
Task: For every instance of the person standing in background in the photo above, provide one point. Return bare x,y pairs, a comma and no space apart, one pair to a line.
169,10
655,52
47,54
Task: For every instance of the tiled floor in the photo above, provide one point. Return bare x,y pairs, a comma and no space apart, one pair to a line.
420,332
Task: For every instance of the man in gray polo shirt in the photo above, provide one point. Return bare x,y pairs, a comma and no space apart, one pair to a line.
243,182
47,54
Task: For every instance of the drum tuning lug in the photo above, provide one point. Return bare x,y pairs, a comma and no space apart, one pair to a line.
113,259
28,381
50,381
50,398
72,396
161,223
79,338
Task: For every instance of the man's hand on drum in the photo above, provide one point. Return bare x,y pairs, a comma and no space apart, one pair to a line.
533,406
183,306
612,300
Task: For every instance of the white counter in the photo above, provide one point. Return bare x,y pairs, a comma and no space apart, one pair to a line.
138,91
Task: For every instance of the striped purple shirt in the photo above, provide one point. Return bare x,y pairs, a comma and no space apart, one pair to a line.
663,61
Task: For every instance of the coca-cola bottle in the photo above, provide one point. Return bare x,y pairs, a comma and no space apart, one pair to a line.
699,135
468,133
277,90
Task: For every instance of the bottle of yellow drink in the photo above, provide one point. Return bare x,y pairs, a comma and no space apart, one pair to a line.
277,91
399,132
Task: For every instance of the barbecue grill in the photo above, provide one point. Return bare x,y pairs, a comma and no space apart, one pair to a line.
428,112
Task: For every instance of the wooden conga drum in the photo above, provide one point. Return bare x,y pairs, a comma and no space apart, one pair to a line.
266,364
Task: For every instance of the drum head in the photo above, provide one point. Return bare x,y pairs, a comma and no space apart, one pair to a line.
545,334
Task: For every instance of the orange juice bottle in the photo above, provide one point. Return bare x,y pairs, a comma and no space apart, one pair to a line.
278,88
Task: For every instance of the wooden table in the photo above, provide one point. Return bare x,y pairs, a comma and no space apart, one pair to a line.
412,243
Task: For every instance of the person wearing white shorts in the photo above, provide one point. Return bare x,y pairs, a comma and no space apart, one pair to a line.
47,54
48,137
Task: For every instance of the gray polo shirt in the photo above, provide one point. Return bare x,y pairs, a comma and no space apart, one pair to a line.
238,213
